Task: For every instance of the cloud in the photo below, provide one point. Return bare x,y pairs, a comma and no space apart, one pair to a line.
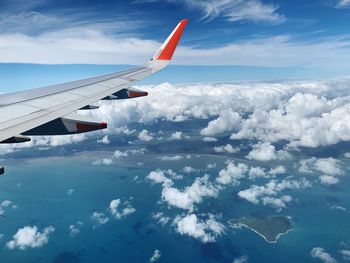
328,180
104,140
227,121
228,148
346,254
188,169
268,193
118,154
343,3
99,218
242,259
75,229
321,254
266,152
104,161
212,139
176,136
233,11
30,237
119,209
160,218
189,196
6,204
203,230
232,173
171,158
330,167
156,256
145,136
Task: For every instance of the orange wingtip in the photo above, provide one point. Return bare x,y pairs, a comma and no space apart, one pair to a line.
172,41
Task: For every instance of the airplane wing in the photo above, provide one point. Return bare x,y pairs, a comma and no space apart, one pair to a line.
50,110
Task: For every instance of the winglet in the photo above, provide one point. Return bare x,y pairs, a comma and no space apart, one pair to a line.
167,50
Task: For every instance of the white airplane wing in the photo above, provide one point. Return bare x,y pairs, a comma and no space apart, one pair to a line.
49,110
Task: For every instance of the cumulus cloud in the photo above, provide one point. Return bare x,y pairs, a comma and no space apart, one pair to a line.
145,136
99,218
189,196
232,173
321,254
176,136
328,180
204,230
119,209
228,148
227,121
266,152
104,140
30,237
156,255
268,193
74,229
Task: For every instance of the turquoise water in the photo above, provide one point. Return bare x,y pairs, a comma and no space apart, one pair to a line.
39,188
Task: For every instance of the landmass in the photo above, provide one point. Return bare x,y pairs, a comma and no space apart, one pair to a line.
270,227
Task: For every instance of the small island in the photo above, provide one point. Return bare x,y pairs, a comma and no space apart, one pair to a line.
270,227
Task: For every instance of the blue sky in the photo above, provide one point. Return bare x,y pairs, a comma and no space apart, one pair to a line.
261,39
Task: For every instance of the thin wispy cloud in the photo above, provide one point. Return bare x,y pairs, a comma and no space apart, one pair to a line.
232,10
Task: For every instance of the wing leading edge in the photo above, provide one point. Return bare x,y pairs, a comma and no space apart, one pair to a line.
37,111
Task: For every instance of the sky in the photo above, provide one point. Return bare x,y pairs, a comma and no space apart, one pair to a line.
283,39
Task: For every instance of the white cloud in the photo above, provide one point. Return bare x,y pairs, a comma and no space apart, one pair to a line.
188,170
266,152
30,237
268,193
99,218
210,139
145,136
118,154
256,172
227,121
242,259
161,218
75,229
70,192
104,161
191,195
346,254
203,230
171,158
156,255
232,173
328,180
6,204
321,254
226,148
279,169
234,10
104,140
176,136
343,3
120,209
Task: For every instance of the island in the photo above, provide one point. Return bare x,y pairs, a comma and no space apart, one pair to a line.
269,227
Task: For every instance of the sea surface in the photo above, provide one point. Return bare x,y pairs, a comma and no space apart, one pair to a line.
60,191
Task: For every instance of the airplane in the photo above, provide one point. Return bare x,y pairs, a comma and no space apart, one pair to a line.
51,110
